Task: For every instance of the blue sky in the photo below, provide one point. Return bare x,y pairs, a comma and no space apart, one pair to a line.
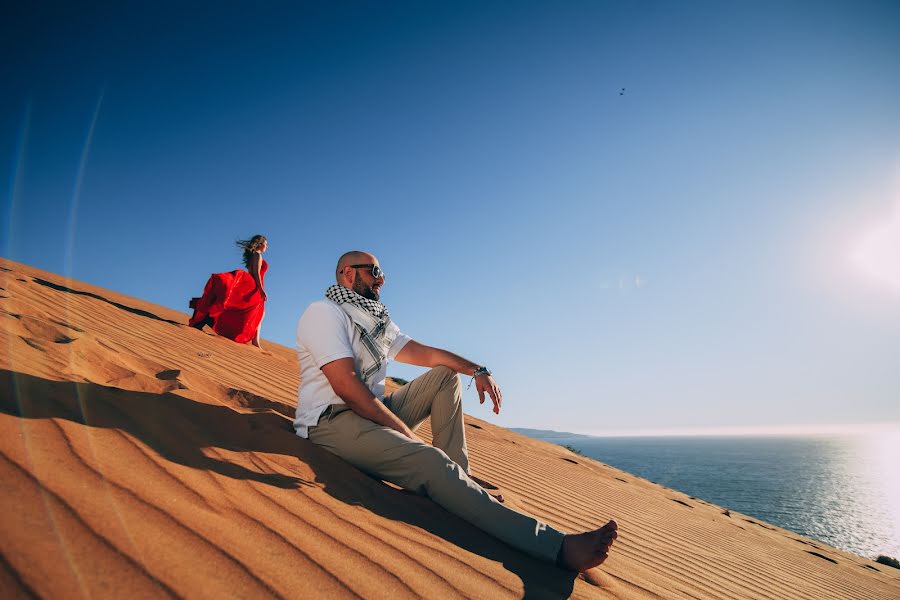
714,247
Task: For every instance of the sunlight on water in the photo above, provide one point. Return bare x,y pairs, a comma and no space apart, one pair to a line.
853,499
843,490
883,452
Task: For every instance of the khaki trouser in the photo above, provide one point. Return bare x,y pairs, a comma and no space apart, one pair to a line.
440,471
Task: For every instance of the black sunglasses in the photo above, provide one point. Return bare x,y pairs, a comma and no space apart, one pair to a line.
376,270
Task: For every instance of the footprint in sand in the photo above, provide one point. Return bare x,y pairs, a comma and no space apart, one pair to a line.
246,399
37,332
831,560
598,578
169,374
751,521
67,326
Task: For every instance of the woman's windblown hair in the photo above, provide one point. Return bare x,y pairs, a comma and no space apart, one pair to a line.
250,246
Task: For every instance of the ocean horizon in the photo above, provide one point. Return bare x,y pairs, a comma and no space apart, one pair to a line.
840,489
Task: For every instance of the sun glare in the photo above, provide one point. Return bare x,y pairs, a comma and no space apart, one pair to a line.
883,449
878,253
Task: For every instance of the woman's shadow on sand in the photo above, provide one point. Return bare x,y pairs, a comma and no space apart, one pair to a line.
178,429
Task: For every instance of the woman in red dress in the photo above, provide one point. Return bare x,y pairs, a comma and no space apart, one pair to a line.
233,303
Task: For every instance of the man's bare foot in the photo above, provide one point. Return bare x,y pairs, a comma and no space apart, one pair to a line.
583,551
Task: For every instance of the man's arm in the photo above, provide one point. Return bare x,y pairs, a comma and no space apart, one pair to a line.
414,353
341,374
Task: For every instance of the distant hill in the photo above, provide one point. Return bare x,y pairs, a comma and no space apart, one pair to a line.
549,435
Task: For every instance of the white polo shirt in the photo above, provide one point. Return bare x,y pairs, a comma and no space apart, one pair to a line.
325,334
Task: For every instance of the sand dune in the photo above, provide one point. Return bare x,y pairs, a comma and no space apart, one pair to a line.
142,458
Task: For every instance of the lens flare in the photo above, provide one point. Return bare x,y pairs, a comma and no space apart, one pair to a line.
878,253
76,191
15,180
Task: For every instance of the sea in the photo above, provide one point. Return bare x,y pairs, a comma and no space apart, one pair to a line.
843,490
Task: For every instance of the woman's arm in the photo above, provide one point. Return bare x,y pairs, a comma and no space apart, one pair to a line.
255,267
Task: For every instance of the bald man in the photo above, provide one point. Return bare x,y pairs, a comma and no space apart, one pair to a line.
344,343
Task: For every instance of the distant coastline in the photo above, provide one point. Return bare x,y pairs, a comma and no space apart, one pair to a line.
725,431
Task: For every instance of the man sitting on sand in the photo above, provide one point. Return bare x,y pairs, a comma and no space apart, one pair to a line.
344,343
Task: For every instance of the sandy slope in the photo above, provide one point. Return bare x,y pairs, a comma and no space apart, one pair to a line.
142,458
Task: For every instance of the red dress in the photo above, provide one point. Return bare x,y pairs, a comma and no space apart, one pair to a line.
233,304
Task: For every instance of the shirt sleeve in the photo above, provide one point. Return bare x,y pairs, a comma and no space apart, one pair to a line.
322,331
400,340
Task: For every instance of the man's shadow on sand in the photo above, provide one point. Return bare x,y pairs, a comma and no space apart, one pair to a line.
179,428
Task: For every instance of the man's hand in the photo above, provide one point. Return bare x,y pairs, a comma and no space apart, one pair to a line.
405,430
341,374
485,383
414,353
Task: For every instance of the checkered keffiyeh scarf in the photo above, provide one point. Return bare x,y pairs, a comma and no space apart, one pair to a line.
370,320
339,295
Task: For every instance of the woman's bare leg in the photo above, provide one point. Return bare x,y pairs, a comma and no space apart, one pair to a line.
255,341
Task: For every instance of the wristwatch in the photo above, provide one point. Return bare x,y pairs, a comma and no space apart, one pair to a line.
481,371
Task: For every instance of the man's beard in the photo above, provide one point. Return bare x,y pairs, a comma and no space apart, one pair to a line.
366,291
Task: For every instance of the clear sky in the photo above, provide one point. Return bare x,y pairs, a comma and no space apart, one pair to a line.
640,215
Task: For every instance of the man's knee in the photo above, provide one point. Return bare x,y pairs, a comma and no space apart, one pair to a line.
446,375
435,464
429,472
443,372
